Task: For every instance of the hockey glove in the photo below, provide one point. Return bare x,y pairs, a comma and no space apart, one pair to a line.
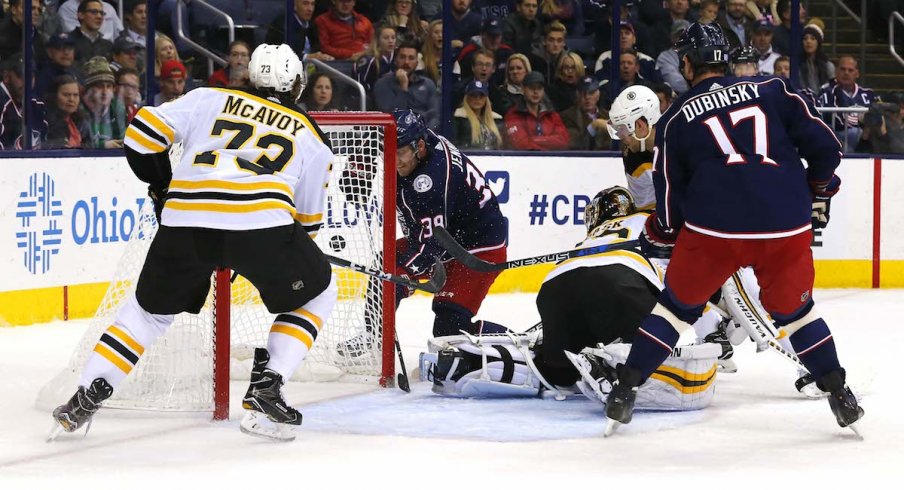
158,197
655,241
822,200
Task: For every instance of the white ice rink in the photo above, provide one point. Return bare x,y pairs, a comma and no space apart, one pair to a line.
758,433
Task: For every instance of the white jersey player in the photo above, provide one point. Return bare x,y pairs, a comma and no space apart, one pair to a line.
591,303
248,191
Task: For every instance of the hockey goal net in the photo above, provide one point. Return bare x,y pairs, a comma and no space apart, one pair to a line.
189,367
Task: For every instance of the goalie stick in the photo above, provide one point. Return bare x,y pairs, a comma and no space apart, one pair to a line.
433,285
473,262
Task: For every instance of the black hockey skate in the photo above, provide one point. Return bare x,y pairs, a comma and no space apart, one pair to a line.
841,400
268,416
79,410
720,338
620,405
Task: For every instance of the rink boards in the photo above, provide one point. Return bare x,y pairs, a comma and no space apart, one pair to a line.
64,222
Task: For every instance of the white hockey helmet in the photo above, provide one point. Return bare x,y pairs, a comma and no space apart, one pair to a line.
276,67
631,104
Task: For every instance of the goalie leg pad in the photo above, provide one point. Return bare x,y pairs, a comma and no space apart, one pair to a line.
494,367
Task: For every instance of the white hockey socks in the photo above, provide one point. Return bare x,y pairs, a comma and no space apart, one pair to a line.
293,334
122,344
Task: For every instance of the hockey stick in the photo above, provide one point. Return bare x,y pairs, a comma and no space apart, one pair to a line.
402,379
753,319
473,262
433,285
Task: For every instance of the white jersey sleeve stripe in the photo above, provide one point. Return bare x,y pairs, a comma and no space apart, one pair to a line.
141,143
147,116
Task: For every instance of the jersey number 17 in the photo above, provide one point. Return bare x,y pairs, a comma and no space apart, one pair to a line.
760,135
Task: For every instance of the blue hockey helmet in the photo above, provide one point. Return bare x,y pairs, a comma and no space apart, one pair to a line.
410,127
704,44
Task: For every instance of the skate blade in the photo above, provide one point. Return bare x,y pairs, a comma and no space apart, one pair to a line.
612,425
856,429
258,425
55,431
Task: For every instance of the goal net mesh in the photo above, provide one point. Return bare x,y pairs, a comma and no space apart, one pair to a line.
177,372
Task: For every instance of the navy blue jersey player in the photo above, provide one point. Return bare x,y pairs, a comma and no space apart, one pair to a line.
731,192
438,186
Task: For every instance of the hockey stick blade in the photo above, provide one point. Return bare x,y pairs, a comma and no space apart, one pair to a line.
433,285
402,379
473,262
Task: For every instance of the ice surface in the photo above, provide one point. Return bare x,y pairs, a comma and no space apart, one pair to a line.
759,432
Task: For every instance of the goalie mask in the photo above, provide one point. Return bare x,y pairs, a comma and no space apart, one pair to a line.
610,203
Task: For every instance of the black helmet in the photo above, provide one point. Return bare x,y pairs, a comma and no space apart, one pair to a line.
744,54
613,202
704,44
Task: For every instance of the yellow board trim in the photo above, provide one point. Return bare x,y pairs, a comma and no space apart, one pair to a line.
147,116
125,338
228,208
143,140
43,305
233,186
113,358
301,335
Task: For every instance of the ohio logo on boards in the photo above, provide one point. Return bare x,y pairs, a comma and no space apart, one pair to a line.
40,216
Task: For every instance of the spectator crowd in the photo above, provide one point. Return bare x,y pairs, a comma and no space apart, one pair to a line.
526,74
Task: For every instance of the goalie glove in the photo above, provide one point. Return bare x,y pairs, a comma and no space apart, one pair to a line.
822,200
656,241
158,197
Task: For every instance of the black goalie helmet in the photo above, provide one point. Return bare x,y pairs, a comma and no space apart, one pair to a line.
704,44
610,203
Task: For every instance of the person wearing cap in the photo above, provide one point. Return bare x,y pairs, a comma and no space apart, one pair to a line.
11,28
545,57
407,89
735,24
532,124
109,25
344,33
490,38
12,92
667,62
475,125
89,42
628,41
124,54
815,68
106,114
404,17
586,120
762,43
464,24
523,30
60,61
172,81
